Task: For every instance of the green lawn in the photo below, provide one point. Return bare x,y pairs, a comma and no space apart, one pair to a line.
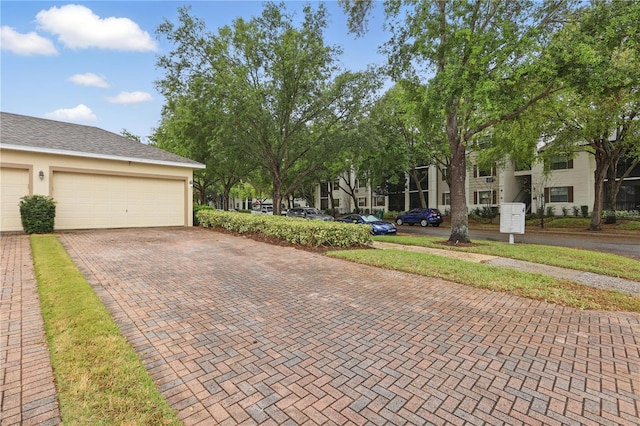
582,260
494,278
99,378
582,223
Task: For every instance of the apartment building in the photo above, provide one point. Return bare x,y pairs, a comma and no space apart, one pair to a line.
568,184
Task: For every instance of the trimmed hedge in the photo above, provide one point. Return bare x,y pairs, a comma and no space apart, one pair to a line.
38,214
198,208
311,233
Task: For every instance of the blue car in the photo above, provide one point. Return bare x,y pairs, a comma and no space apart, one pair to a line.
378,227
422,216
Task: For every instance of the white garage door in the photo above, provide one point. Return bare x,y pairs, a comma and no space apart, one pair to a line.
14,185
86,201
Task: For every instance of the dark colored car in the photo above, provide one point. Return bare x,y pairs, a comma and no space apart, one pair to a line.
378,227
309,213
422,216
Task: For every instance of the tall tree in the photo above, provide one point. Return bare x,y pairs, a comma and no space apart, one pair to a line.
486,62
194,125
403,145
280,84
129,135
599,59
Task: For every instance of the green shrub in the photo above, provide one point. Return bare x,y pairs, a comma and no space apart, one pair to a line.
609,217
486,212
551,211
391,215
198,208
38,214
311,233
585,211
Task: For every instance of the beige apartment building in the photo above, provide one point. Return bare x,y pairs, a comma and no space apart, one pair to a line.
569,184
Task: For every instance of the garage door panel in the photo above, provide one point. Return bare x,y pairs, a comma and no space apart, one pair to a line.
102,201
15,185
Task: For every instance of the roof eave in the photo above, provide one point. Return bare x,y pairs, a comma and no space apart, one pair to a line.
101,156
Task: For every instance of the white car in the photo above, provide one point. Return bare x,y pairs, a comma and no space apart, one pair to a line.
262,209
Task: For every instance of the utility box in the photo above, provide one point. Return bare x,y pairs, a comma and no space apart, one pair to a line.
512,217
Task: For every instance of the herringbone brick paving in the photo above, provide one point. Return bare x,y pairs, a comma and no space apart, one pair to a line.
27,392
235,331
239,332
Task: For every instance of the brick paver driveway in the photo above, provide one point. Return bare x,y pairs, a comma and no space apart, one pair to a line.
235,331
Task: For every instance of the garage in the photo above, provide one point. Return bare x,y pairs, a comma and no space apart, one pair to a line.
15,185
97,179
86,200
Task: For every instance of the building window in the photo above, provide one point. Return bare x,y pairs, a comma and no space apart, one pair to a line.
378,201
362,201
446,198
480,172
484,197
559,194
445,174
561,162
324,189
336,185
336,203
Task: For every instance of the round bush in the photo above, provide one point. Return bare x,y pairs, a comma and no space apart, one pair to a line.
38,213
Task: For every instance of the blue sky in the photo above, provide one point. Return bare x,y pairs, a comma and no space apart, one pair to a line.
94,62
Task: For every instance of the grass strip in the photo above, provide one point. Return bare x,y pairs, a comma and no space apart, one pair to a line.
100,379
564,257
494,278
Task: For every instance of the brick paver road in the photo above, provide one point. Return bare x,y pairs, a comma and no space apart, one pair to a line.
239,332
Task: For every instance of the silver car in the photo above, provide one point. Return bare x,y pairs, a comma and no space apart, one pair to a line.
309,213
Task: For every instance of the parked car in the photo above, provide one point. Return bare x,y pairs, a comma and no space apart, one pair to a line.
262,209
378,227
309,213
422,216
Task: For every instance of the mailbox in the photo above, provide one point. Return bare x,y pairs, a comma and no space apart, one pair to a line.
512,217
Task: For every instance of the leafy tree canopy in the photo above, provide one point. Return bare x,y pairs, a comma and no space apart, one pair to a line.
279,86
485,61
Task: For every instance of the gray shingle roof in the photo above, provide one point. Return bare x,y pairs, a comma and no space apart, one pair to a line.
39,134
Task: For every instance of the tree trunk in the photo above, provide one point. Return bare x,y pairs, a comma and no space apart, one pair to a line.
350,189
458,173
202,192
331,203
416,179
225,198
277,198
602,165
356,208
459,213
611,192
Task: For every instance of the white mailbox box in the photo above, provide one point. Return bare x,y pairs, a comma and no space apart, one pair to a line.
512,217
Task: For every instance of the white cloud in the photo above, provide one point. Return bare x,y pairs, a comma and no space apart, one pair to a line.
130,98
89,79
25,44
79,114
77,27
